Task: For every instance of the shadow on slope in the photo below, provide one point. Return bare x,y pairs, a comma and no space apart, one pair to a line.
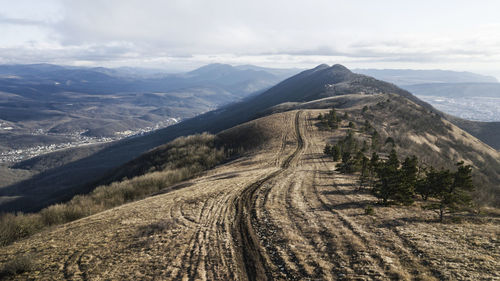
62,183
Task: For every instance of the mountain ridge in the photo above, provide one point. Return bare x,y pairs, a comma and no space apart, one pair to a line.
307,85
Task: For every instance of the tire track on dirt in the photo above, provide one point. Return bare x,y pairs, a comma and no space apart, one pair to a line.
348,253
73,269
251,259
407,254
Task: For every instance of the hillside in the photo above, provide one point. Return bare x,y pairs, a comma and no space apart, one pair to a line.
488,132
466,95
43,105
80,176
279,211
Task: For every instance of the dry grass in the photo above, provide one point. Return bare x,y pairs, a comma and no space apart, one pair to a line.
179,160
17,265
309,222
436,142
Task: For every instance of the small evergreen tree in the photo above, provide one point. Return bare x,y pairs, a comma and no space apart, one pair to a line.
336,152
408,176
364,148
332,114
367,126
357,161
364,177
424,185
388,182
328,149
375,140
440,183
350,143
453,190
346,166
390,140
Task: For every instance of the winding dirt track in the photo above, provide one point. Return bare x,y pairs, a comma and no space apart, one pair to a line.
279,214
255,265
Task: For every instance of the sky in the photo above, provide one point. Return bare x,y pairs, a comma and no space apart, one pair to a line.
181,35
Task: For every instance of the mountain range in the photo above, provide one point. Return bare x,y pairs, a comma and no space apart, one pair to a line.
49,104
318,84
261,196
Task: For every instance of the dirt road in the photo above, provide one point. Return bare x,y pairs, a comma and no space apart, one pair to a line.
280,214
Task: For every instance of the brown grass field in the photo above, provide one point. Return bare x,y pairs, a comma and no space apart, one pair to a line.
279,213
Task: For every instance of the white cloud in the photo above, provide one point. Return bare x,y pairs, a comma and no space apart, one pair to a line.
386,33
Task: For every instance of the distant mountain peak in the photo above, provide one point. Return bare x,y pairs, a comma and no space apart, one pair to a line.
321,67
212,67
340,68
327,81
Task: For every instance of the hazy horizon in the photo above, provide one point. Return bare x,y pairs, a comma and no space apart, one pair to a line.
182,35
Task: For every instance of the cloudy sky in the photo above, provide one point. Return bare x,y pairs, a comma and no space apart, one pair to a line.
180,35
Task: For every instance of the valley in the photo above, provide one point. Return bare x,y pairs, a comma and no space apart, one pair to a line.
250,140
66,140
45,108
485,109
281,212
258,198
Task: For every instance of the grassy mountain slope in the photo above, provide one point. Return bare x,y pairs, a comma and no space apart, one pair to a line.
321,82
488,132
278,212
54,104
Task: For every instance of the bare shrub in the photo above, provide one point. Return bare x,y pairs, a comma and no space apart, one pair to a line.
155,228
176,161
17,265
16,226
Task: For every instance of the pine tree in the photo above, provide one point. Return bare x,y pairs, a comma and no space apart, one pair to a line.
390,140
357,161
375,140
365,172
328,149
345,166
336,152
424,186
367,126
350,143
440,183
408,175
453,190
364,147
331,120
388,182
462,187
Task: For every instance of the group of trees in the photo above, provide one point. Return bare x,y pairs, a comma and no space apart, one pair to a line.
394,181
391,180
451,189
329,120
401,182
